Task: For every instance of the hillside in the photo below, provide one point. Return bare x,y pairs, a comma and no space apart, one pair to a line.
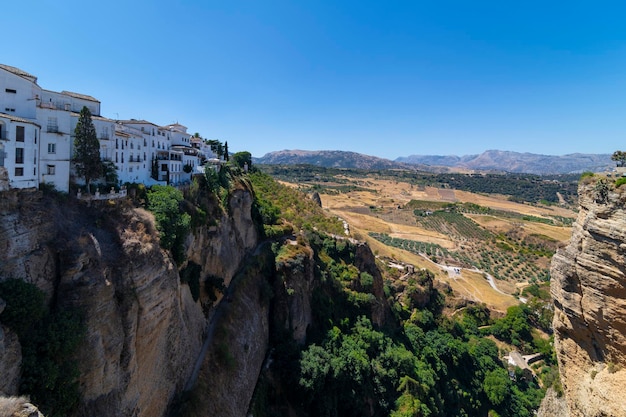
506,161
335,159
492,160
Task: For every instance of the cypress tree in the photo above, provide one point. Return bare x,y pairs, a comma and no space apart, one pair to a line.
86,149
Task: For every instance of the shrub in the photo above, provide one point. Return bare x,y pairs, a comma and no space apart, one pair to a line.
49,342
172,223
25,306
619,182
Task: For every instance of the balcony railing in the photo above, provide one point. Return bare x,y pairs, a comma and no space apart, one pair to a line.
53,129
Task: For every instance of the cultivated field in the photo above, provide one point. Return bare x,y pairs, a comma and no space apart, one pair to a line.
511,241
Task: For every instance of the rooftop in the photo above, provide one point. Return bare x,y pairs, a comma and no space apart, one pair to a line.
17,119
79,96
19,72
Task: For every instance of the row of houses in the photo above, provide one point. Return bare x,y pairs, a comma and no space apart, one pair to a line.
37,138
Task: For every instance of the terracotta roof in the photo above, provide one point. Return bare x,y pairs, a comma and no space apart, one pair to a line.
18,119
19,72
80,96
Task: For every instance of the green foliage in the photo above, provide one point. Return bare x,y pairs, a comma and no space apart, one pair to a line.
514,327
497,385
278,203
619,182
587,174
49,341
520,187
24,306
49,371
242,158
172,223
187,168
86,148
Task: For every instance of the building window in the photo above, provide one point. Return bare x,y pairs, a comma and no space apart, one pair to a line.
9,109
19,155
52,148
19,133
53,126
19,172
10,90
35,137
51,169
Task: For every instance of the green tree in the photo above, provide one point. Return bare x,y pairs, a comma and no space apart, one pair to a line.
226,155
242,158
86,148
497,385
172,223
619,157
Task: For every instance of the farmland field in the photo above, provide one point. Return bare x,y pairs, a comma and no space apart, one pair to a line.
430,227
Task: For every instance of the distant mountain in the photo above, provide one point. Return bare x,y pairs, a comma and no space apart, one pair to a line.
331,159
507,161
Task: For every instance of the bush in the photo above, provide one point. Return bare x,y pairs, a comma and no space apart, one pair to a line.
619,182
172,223
49,342
25,306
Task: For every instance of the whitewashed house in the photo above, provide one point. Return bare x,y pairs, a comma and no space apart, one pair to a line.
37,138
20,133
58,114
19,150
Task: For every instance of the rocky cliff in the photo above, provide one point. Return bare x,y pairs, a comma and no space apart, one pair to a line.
144,330
589,292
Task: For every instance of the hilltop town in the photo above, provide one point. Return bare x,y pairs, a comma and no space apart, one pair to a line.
37,139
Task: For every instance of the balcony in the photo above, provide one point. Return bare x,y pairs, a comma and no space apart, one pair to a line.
52,129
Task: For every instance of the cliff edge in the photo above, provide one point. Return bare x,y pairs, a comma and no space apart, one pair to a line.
589,291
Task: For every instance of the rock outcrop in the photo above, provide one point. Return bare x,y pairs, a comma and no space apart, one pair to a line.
589,292
18,407
144,329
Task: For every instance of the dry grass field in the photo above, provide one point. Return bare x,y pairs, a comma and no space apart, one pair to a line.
381,210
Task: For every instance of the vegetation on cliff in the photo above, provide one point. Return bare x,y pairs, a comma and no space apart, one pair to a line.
415,362
49,339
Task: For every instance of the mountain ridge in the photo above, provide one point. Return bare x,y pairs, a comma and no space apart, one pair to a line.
490,160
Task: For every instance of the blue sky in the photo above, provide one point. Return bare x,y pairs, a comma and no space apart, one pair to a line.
384,78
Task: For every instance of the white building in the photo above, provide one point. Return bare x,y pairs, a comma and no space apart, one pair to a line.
19,150
37,137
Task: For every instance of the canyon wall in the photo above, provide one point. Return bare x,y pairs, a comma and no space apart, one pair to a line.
144,330
589,292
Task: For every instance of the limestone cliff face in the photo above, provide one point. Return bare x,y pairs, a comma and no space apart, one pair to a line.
589,292
293,289
239,344
144,330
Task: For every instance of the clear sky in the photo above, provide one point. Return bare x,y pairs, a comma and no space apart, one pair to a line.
384,78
